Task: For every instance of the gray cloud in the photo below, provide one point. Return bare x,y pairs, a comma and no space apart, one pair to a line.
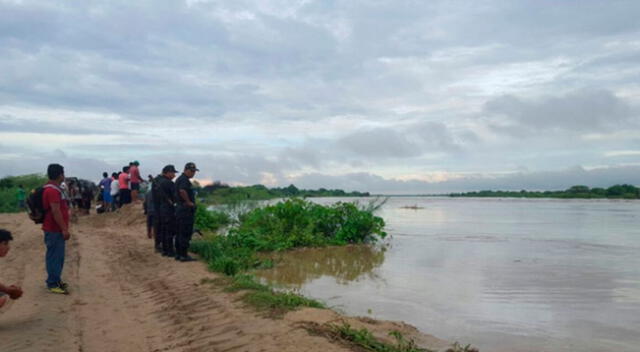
382,87
589,110
402,141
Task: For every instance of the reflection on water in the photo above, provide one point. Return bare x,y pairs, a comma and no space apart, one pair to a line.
296,268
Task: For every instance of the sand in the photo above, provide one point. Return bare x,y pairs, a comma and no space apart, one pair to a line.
124,297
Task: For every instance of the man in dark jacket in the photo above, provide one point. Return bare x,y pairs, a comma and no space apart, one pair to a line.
185,212
164,199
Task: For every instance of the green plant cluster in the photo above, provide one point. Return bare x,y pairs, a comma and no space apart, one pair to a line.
264,298
9,190
614,192
210,220
285,225
364,338
300,223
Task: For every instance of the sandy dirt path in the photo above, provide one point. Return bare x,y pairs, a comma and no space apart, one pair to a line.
124,297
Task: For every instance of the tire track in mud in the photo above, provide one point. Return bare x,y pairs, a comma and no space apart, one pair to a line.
184,313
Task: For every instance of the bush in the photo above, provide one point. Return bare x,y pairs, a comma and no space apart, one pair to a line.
285,225
299,223
209,220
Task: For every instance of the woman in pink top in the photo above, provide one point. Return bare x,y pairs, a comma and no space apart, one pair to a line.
134,175
123,182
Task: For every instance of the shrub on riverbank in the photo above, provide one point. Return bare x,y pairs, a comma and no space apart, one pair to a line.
210,220
285,225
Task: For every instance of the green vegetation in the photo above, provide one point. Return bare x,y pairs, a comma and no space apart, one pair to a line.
285,225
288,224
219,193
264,298
207,220
364,339
9,190
614,192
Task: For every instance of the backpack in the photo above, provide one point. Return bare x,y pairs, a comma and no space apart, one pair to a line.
35,208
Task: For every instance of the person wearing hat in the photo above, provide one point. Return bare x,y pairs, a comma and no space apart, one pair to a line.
164,198
185,212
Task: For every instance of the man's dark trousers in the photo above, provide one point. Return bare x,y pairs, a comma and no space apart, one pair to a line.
185,230
167,230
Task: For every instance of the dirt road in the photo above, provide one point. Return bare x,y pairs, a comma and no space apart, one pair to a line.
124,297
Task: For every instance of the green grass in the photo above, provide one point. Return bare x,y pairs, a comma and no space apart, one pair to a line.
262,297
279,302
246,282
364,339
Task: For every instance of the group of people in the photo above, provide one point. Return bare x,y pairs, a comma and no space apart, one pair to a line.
121,187
170,209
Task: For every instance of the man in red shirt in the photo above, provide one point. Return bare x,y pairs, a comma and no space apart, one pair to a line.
55,227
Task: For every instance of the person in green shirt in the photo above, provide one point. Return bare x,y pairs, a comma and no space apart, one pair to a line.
21,196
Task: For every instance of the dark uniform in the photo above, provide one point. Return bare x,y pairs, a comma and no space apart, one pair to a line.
185,216
155,204
164,199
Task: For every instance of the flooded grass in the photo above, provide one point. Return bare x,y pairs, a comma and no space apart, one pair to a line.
263,297
363,339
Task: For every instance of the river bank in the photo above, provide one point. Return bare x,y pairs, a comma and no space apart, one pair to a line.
124,297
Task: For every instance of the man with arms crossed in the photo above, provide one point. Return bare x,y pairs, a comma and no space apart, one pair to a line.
13,291
55,227
185,212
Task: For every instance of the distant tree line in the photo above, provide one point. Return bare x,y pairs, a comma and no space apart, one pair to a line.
219,193
616,192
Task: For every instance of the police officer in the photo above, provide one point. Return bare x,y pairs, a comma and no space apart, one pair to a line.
164,198
185,212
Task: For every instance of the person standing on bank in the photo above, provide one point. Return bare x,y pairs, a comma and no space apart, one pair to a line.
185,212
164,197
134,175
123,183
55,227
105,188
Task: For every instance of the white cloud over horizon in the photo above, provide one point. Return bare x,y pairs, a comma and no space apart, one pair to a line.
374,96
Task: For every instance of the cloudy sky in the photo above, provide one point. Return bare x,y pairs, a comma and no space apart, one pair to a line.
377,95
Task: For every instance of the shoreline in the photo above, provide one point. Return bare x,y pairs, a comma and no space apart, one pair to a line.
124,297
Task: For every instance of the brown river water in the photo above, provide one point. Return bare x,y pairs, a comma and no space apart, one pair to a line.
501,274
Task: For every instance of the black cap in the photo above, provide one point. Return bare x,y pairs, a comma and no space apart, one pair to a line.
169,168
191,166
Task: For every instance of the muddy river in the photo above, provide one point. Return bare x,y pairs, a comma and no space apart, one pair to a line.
501,274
